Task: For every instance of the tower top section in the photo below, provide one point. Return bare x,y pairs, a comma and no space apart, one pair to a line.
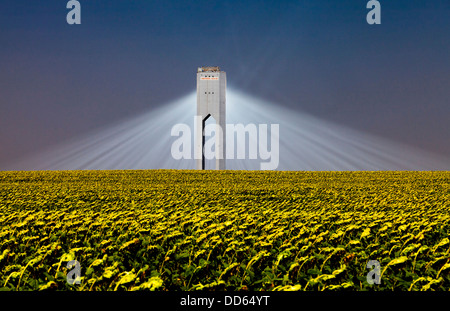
208,69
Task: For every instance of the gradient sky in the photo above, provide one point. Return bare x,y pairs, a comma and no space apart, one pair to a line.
58,81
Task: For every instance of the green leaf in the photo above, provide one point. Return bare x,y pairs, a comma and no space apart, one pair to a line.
96,262
67,257
129,243
89,271
127,277
4,254
49,285
443,242
365,233
339,271
397,261
431,282
152,284
394,262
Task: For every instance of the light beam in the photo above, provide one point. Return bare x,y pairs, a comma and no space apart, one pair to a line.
306,143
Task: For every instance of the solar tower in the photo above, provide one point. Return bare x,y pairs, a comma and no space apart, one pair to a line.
211,99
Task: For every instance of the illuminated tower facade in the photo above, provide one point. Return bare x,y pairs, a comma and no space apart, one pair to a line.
211,102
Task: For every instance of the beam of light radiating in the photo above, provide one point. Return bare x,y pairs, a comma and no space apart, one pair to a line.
309,143
140,142
306,142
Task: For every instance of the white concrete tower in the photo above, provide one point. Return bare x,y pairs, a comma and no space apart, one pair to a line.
211,99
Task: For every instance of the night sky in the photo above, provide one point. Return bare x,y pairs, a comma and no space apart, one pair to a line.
58,81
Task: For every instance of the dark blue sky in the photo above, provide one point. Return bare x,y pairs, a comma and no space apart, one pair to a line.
321,57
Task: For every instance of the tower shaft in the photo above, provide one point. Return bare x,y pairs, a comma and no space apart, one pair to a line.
211,102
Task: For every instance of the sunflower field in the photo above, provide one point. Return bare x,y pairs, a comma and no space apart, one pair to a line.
169,230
